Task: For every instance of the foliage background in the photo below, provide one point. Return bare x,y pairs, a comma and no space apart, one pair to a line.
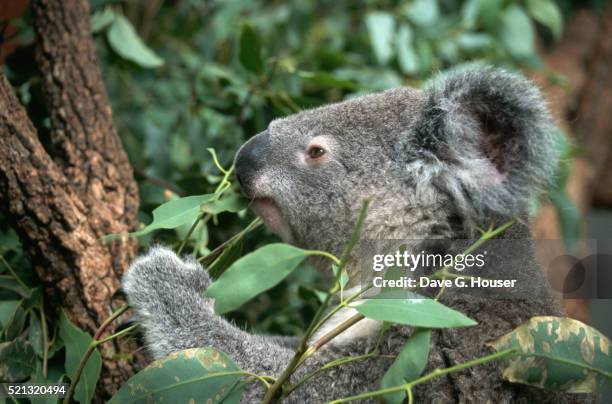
214,73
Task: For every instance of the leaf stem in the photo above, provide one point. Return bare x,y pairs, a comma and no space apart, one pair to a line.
14,274
116,335
189,233
90,349
325,254
43,322
434,374
332,364
226,244
302,352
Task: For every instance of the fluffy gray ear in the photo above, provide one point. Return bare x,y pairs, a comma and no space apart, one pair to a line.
492,129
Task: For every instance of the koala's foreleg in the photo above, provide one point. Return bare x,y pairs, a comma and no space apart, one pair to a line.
166,294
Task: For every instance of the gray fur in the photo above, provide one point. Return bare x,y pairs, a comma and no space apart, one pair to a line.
471,148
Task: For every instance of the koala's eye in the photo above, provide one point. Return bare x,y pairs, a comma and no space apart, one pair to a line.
315,152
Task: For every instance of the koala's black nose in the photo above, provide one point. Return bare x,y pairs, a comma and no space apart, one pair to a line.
251,159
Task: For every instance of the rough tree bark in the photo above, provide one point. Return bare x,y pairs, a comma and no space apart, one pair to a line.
62,200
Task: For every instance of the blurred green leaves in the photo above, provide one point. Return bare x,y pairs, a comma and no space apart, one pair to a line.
517,32
250,50
125,41
381,27
123,38
548,14
77,341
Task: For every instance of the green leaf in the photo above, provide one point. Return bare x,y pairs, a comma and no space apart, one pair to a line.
17,360
406,55
253,274
408,365
412,309
7,282
517,32
124,40
381,27
233,203
7,312
12,317
469,13
229,255
77,342
250,50
35,334
569,217
102,19
557,353
192,375
175,213
343,278
422,12
327,80
474,41
548,14
52,377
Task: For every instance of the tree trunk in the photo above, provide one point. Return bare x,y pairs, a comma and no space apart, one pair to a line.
61,201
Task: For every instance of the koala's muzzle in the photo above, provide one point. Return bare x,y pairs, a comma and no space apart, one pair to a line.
250,160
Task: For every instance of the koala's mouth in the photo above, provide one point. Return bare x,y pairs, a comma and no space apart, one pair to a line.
270,213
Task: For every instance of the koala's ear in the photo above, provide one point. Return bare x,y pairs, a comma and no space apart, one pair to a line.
493,128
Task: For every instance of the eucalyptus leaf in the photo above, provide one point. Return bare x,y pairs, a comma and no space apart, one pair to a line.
17,360
12,318
53,376
77,342
548,14
327,80
229,255
253,274
7,311
102,19
9,283
250,50
233,203
175,213
192,375
409,308
35,334
472,42
406,55
124,40
408,365
517,33
557,353
381,27
422,12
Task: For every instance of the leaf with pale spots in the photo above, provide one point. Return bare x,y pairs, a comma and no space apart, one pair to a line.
194,375
557,353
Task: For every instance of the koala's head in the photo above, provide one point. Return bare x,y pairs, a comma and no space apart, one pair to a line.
436,162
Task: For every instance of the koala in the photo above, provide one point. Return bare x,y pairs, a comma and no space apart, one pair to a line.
471,148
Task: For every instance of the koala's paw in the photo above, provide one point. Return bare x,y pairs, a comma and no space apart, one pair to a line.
160,277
